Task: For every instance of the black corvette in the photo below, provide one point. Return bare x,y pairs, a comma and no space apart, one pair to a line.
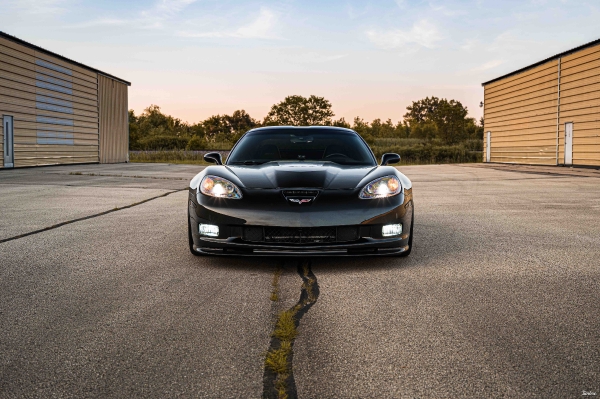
300,191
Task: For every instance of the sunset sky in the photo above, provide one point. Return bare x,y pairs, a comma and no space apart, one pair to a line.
196,58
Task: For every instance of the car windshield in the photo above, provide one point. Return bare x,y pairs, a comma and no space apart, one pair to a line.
293,144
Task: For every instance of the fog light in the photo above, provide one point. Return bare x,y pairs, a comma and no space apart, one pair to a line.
209,230
391,230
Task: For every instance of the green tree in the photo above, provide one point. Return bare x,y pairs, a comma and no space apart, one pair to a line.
154,130
361,127
425,130
239,123
196,143
449,117
134,131
300,111
214,126
341,123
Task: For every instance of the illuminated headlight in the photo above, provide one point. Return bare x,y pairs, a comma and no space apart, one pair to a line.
209,230
383,187
218,187
391,230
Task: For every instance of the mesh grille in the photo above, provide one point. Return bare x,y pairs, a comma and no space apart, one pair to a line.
253,234
347,233
300,235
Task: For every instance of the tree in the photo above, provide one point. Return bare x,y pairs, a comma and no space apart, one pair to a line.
361,127
239,123
449,117
422,110
215,125
300,111
341,123
134,131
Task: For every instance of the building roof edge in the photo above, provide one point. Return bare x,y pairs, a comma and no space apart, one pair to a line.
37,48
554,57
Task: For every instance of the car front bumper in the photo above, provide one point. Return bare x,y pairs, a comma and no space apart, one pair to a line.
367,218
364,246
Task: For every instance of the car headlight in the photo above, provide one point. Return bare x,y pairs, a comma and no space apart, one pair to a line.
386,186
218,187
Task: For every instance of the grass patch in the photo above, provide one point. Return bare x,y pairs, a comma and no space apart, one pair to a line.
285,328
278,360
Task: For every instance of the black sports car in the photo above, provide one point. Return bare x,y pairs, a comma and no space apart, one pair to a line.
300,191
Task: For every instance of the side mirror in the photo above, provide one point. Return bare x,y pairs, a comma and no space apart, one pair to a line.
389,158
213,157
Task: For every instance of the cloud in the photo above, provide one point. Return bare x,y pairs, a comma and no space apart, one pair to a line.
444,10
99,22
488,65
152,18
172,6
260,28
470,45
423,33
44,7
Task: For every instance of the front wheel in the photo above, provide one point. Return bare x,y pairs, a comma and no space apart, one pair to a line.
191,241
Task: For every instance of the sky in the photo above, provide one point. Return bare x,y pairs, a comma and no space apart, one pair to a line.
197,58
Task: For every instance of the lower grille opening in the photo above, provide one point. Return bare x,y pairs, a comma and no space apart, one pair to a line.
300,235
293,235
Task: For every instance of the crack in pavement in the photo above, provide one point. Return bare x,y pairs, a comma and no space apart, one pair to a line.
278,378
55,226
127,176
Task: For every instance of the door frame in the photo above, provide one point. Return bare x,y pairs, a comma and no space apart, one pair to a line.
488,151
568,148
8,127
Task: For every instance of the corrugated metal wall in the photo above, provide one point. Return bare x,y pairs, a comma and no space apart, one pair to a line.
526,113
54,104
114,121
580,104
521,113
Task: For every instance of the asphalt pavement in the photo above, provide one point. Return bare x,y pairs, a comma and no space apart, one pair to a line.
100,297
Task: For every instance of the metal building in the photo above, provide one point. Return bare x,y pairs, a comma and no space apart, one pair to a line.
547,113
58,111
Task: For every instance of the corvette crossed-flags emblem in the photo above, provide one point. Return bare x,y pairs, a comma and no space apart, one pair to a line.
300,201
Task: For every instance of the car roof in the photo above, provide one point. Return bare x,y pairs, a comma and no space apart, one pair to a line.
330,128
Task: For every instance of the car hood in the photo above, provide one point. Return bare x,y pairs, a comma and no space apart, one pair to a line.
300,174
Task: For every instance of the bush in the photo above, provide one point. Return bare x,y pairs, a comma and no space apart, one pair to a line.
162,142
414,151
196,143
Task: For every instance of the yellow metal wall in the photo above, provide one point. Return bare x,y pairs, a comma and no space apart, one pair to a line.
580,104
527,118
114,121
54,104
521,114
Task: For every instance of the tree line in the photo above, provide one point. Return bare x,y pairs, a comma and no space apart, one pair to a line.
431,120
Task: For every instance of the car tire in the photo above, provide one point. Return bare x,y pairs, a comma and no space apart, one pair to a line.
410,238
191,241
